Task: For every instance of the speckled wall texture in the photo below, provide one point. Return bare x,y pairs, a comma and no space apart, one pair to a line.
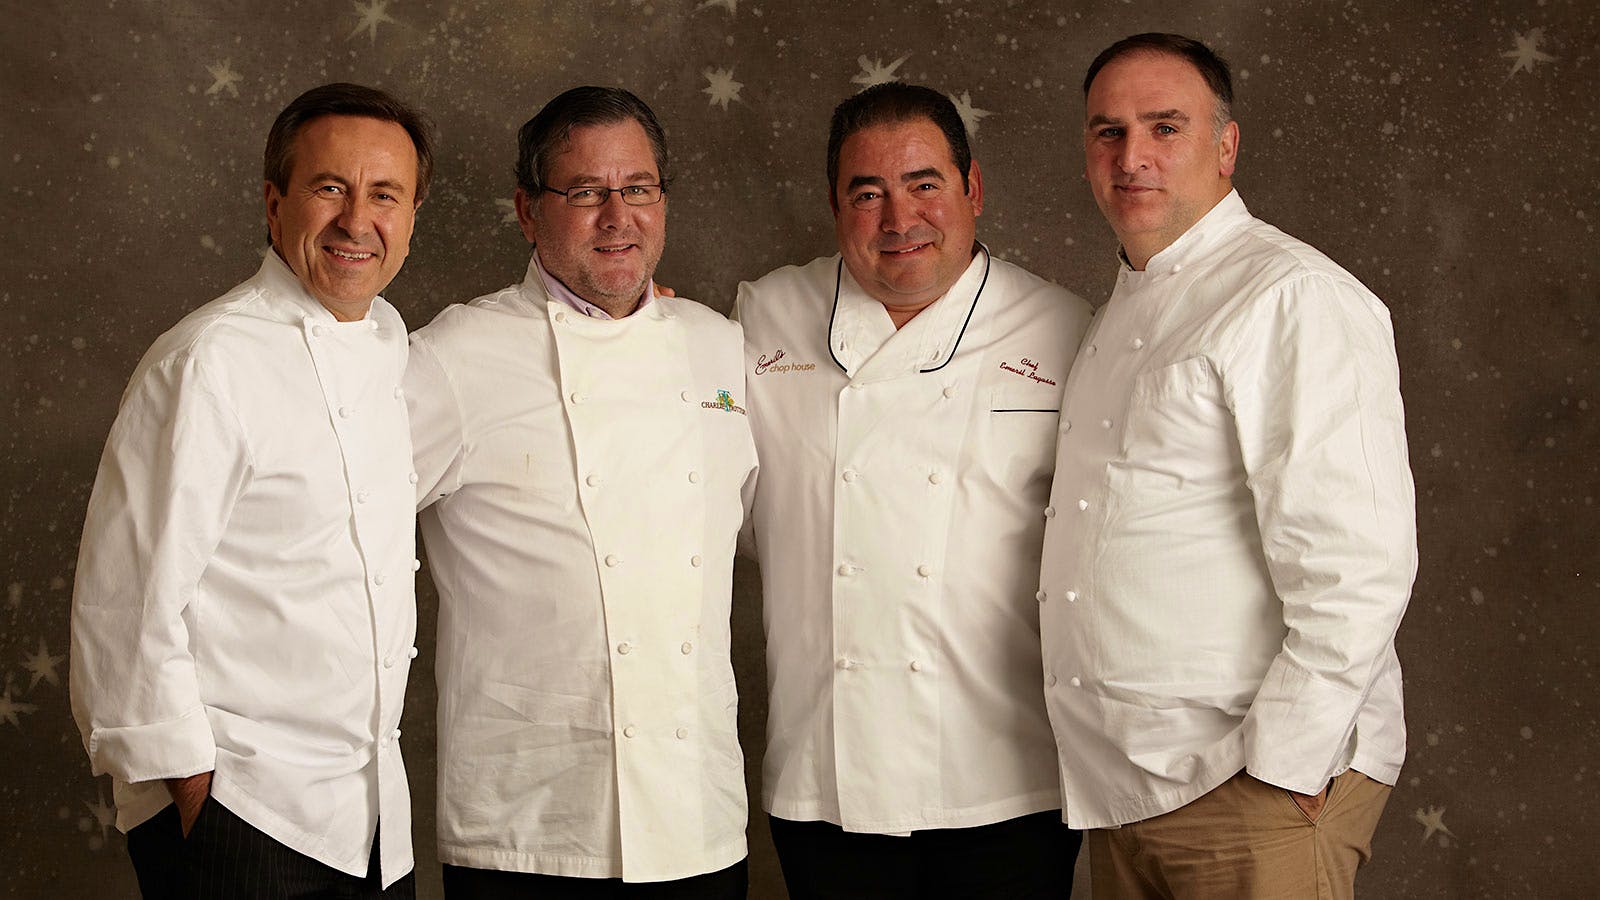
1443,152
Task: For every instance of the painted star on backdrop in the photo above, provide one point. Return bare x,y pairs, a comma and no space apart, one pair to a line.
969,113
104,814
1527,51
10,709
732,6
224,78
873,71
372,14
14,594
42,666
508,211
722,88
1432,822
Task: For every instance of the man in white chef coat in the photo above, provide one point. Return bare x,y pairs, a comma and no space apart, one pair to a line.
904,394
243,617
1232,540
583,445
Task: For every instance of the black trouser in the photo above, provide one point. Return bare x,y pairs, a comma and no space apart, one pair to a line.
463,883
1027,858
225,856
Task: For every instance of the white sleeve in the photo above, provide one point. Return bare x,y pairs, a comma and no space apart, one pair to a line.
174,466
436,427
1315,390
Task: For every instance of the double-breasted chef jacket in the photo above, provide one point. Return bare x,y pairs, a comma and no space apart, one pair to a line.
244,586
898,526
582,484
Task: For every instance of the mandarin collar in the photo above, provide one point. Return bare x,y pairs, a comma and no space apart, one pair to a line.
1193,245
280,282
923,344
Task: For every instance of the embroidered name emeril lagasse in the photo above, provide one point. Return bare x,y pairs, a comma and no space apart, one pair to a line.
766,364
723,402
1027,368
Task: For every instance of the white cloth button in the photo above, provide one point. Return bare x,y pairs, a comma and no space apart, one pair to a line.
630,731
1138,343
1049,512
416,565
624,648
317,330
412,478
613,560
1105,423
388,662
842,663
854,385
682,733
394,735
1176,268
695,560
378,579
561,316
685,396
1066,425
372,326
1072,596
1050,680
846,569
1083,504
924,571
850,475
412,653
1092,350
916,666
578,397
694,477
1040,596
362,496
344,412
935,477
949,391
687,648
1074,681
399,393
592,480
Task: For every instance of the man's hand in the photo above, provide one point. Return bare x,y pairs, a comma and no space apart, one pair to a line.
663,291
189,794
1311,804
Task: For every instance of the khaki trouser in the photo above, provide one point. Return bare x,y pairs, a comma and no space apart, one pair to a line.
1244,839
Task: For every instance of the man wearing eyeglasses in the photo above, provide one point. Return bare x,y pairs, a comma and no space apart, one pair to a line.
583,446
907,394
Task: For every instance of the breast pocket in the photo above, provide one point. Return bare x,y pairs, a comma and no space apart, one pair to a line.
1179,428
1022,436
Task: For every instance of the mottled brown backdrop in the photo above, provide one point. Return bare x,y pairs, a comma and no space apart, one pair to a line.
1442,151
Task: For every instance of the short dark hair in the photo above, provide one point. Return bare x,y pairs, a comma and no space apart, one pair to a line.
891,104
541,137
1212,68
344,99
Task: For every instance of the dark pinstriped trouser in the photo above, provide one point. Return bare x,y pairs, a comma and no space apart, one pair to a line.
226,857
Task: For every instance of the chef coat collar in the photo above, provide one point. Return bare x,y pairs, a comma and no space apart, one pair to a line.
543,291
924,344
278,281
1196,243
556,289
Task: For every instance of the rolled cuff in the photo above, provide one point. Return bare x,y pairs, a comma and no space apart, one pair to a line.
176,748
1297,733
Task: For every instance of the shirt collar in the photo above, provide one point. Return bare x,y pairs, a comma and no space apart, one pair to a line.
1196,243
556,290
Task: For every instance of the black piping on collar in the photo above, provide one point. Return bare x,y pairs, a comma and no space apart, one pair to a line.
838,278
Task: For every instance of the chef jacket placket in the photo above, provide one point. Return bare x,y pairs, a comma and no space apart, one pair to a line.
627,384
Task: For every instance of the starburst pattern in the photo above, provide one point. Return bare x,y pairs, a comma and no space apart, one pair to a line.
103,813
721,86
873,71
224,78
969,114
732,6
1432,822
372,15
42,666
12,710
1526,51
508,211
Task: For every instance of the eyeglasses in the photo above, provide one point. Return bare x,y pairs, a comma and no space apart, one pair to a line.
632,194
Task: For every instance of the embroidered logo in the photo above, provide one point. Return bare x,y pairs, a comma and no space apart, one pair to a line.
723,402
766,364
1028,369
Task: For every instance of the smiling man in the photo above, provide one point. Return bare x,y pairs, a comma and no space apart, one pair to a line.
1232,537
583,448
243,614
904,394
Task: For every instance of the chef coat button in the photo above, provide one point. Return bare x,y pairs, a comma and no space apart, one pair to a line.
416,565
630,731
916,666
378,579
842,664
1092,350
687,648
694,477
394,735
1072,596
1050,680
344,412
1040,596
949,391
1083,504
846,569
578,397
613,560
317,330
1176,268
1138,343
624,648
1075,681
1105,423
561,316
682,733
935,477
372,325
850,475
362,496
695,560
684,395
412,653
399,393
854,385
388,662
924,571
1049,512
592,480
1066,425
412,478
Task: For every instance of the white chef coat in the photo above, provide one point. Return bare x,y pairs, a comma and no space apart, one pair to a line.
582,481
1232,537
897,524
244,589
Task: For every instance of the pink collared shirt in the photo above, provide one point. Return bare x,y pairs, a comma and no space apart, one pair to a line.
559,291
